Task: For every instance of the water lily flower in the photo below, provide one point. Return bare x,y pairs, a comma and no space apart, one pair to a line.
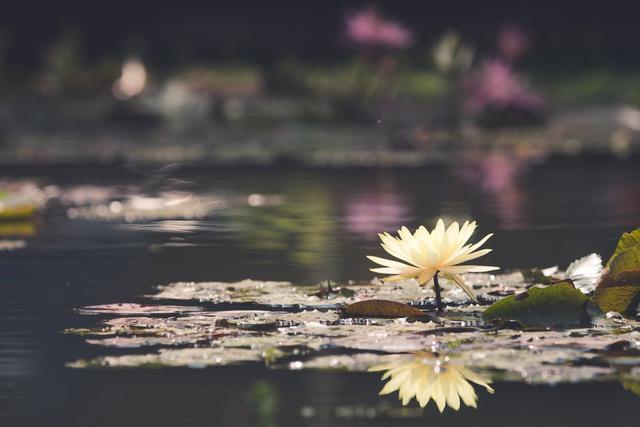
368,28
427,376
498,87
425,254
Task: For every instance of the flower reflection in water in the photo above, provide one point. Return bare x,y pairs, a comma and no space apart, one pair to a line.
498,175
366,214
428,376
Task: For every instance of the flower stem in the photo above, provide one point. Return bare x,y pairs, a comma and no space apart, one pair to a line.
436,287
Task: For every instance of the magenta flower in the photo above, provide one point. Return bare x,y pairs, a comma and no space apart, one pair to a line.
367,28
498,87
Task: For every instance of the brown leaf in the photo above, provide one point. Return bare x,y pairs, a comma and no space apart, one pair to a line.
381,308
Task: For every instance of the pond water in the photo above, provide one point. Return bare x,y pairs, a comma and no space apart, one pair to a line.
280,223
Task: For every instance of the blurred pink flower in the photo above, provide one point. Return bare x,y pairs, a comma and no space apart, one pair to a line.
493,172
368,28
368,214
513,42
498,87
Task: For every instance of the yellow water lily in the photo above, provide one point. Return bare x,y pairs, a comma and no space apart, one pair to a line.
425,254
427,376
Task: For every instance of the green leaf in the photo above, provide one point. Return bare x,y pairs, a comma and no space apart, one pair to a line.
380,308
559,305
627,241
619,292
627,260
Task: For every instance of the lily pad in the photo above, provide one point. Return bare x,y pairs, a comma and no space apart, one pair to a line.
286,294
627,260
320,339
133,309
627,241
619,292
559,305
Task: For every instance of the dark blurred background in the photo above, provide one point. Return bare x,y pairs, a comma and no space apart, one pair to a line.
567,33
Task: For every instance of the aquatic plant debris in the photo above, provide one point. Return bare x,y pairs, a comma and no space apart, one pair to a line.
127,309
285,326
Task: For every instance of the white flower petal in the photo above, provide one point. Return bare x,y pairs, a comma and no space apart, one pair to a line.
460,282
461,269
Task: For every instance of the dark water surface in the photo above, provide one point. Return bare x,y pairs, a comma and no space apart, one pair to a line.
326,224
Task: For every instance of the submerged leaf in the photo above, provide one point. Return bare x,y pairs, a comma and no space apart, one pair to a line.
381,308
556,305
619,292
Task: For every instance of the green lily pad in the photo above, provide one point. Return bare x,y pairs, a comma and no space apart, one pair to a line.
627,241
559,305
627,260
619,292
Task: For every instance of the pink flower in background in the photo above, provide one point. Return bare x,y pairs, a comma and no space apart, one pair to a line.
368,28
367,214
498,87
513,42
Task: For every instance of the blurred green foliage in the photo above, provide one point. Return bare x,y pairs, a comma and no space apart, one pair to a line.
263,400
301,226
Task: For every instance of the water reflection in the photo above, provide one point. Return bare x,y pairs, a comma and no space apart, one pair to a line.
369,213
301,226
428,376
17,228
263,401
499,175
21,199
168,205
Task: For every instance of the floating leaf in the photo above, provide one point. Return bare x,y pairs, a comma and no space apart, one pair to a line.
319,339
627,241
628,260
556,305
381,308
619,292
133,309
